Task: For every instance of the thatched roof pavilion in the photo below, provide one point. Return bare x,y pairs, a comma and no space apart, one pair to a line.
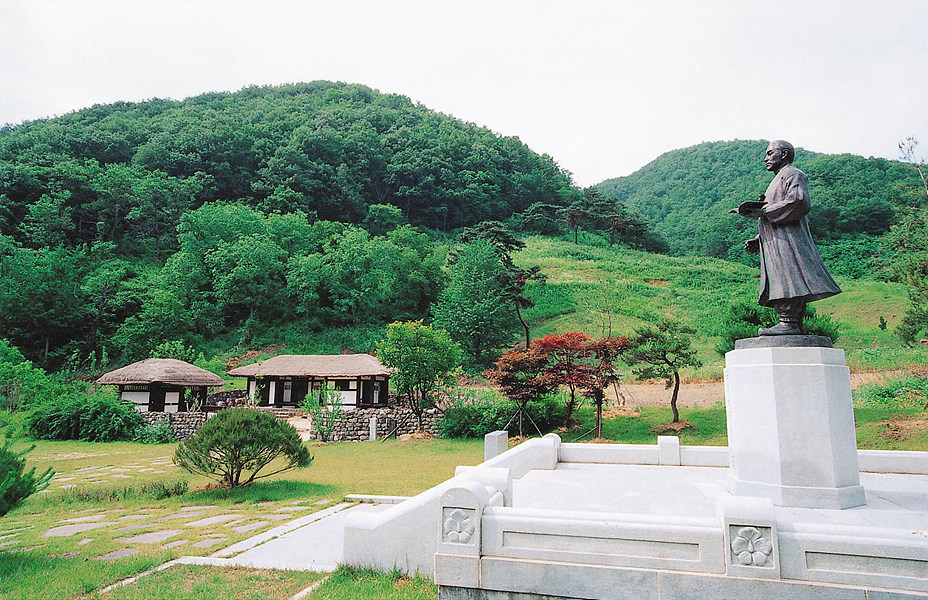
161,384
288,379
161,370
332,366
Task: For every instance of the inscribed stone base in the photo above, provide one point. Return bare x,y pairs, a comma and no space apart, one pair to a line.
791,426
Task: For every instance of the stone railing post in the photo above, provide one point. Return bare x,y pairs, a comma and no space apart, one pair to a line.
457,557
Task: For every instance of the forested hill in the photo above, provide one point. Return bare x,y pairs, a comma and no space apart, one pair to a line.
125,172
686,195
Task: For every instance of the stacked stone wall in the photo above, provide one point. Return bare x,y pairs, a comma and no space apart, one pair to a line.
355,424
183,424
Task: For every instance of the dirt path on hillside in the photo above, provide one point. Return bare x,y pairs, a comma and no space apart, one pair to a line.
702,394
707,394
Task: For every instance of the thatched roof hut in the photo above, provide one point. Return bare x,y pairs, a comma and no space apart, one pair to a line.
288,379
314,365
161,370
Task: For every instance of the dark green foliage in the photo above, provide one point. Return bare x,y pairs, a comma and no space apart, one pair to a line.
157,433
856,255
909,241
686,195
127,225
126,172
513,280
475,308
237,444
16,483
662,351
422,358
97,417
474,418
745,318
22,384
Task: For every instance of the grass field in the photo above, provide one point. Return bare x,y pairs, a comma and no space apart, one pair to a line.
110,480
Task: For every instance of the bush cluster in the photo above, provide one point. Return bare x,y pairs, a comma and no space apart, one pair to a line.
236,444
745,318
155,433
99,417
905,392
16,483
474,418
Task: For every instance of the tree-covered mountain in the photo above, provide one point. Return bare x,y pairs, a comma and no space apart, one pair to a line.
686,195
126,172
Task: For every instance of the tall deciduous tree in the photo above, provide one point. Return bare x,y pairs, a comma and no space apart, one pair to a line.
662,350
907,152
474,307
604,352
909,240
521,376
513,279
568,355
423,359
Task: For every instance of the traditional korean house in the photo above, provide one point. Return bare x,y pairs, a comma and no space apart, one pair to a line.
288,379
162,384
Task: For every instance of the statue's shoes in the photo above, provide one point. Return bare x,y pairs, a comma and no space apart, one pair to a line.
780,329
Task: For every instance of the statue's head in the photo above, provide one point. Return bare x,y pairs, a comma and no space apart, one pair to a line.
779,153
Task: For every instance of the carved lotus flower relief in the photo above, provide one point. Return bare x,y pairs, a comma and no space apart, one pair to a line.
459,526
751,547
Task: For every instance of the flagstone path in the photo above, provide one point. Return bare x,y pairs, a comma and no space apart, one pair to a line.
96,474
199,526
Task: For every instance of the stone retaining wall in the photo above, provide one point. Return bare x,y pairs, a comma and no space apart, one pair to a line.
183,424
355,425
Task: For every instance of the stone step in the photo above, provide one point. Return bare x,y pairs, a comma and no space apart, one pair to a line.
283,412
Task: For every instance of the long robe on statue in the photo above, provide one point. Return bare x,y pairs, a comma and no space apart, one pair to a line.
791,267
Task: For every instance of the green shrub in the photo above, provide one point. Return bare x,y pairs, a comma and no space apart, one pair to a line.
744,319
21,383
99,417
904,392
241,442
325,411
155,433
16,483
15,424
473,417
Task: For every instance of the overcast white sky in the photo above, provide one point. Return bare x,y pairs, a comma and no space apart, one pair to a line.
603,87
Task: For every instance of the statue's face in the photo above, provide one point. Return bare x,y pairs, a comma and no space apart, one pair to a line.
775,158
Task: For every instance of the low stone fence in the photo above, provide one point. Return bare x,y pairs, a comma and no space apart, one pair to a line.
355,425
225,399
183,424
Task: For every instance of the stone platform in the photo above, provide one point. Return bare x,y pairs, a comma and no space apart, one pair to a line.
608,531
791,510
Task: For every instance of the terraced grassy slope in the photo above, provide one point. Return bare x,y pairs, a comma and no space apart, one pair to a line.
591,288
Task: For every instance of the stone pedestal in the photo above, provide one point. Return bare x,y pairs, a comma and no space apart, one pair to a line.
790,423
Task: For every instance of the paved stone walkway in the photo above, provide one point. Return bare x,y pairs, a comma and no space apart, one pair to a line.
312,543
96,474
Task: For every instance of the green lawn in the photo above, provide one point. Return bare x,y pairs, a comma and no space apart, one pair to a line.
107,493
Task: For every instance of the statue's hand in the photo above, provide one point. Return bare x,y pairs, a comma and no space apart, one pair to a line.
752,246
751,209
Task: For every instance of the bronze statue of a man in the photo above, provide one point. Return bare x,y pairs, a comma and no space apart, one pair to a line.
792,273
